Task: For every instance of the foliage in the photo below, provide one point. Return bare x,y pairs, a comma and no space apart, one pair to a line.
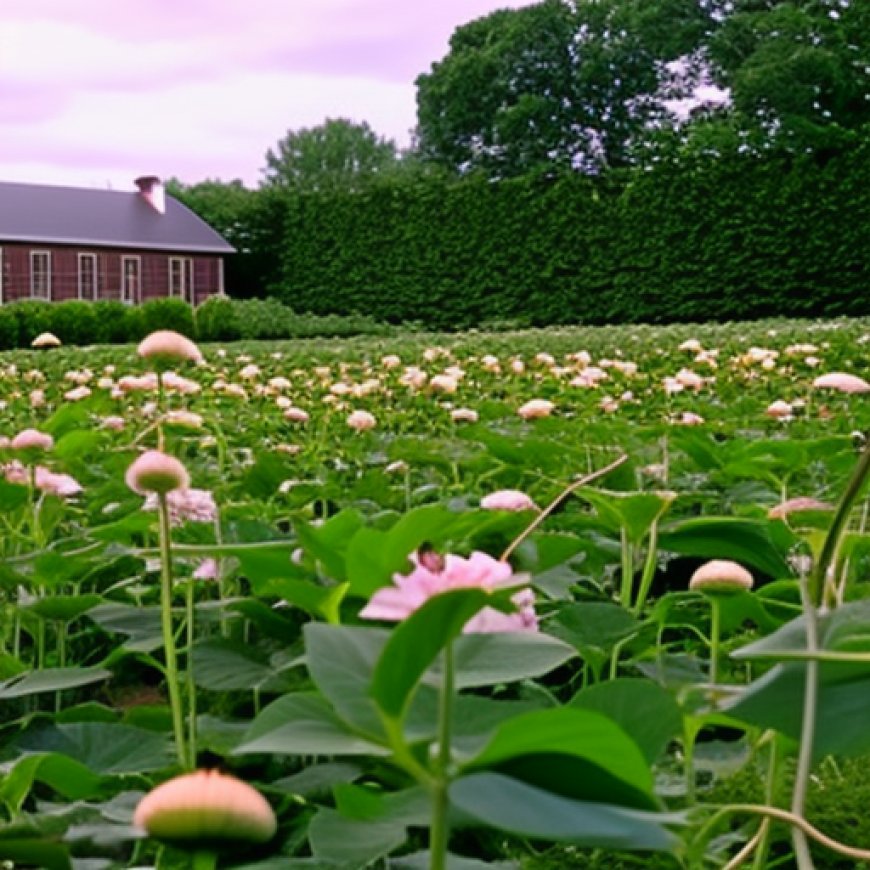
732,238
216,320
553,86
168,313
337,155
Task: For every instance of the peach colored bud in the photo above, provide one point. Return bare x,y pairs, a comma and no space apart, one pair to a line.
508,500
297,415
45,339
361,421
536,408
32,439
153,471
779,410
168,345
843,382
206,805
691,345
464,415
721,576
443,384
76,394
796,505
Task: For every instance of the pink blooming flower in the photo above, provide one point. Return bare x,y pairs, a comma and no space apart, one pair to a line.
433,575
186,505
61,485
207,570
507,500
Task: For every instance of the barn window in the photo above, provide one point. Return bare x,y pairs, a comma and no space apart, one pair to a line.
130,279
88,276
40,274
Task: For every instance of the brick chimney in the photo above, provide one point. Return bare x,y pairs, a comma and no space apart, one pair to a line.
151,190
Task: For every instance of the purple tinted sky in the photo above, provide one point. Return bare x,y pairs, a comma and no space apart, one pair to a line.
96,92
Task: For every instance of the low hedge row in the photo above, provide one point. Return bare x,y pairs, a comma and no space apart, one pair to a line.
218,319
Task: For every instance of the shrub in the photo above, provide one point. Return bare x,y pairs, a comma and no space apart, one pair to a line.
33,318
113,322
168,313
8,329
74,322
216,320
262,318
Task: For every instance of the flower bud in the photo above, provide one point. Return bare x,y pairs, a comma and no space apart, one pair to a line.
167,345
206,805
721,576
158,472
32,439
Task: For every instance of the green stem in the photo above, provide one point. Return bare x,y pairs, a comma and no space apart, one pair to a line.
627,570
168,635
190,684
440,830
772,779
649,567
715,632
808,732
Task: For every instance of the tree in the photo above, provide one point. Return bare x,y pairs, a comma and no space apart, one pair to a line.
559,84
250,220
338,155
798,70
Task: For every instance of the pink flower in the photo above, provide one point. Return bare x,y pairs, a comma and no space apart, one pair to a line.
153,471
433,575
535,408
361,421
207,570
61,485
32,439
166,344
843,382
186,505
507,500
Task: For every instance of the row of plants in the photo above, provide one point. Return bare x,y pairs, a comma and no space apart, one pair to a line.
530,599
218,319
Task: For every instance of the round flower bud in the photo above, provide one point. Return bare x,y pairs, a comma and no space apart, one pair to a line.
508,500
361,421
32,439
204,806
153,471
45,339
843,382
167,345
721,576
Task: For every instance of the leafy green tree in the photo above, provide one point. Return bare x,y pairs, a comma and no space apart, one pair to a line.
250,220
557,84
338,155
798,70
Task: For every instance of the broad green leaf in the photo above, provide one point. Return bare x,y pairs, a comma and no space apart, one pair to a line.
635,512
523,810
104,748
65,775
502,657
12,496
317,778
34,853
646,712
319,601
746,541
65,608
574,752
328,543
341,660
50,680
594,626
79,442
140,624
303,724
222,665
415,643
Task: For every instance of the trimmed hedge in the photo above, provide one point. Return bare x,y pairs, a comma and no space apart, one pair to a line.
736,238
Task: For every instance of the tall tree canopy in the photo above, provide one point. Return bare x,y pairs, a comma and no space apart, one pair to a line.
557,84
338,155
798,70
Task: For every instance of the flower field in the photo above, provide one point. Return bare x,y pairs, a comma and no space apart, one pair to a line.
535,599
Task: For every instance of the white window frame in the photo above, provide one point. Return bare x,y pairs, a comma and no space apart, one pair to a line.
176,289
137,292
95,286
33,259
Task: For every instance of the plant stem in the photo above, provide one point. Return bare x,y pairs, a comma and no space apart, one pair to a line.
440,831
808,731
627,571
190,684
203,859
649,567
715,632
166,624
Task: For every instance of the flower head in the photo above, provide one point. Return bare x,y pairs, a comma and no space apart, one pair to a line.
154,471
507,500
843,382
434,574
45,339
721,576
206,805
535,408
186,505
32,439
361,421
166,345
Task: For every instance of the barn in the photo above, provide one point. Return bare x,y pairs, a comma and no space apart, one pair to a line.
60,243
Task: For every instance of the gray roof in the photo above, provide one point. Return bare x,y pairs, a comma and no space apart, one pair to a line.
101,218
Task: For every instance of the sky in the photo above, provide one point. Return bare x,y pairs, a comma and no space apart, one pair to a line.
94,93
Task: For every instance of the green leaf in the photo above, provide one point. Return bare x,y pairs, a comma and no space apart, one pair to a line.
34,853
746,541
50,680
522,810
577,753
104,748
76,443
317,778
643,709
320,601
415,643
140,624
328,543
12,496
341,660
635,512
303,724
222,665
503,657
64,608
66,776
